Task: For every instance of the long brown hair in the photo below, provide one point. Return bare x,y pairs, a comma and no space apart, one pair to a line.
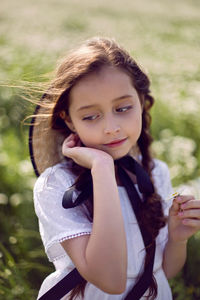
90,57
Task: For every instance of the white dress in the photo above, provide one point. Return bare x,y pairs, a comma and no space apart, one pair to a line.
57,224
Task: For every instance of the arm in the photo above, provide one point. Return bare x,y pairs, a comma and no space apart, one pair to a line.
101,258
174,257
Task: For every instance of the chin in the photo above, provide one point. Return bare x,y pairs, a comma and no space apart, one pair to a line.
119,155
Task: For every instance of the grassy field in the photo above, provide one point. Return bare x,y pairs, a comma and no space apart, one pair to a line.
164,37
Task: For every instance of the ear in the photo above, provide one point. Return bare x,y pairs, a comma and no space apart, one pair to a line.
67,121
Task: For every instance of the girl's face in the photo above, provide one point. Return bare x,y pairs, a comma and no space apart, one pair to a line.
105,112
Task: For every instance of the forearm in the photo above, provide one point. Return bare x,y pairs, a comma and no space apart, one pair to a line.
106,253
174,257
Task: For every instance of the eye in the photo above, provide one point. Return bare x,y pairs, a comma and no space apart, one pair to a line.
90,118
124,108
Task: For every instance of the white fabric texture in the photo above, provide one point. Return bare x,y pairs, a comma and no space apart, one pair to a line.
57,224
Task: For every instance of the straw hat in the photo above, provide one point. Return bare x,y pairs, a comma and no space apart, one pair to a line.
45,143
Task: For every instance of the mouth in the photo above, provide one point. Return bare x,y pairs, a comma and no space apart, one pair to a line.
116,143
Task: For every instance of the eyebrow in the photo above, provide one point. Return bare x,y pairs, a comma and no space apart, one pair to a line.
114,100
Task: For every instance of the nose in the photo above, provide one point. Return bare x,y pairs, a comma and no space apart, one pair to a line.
111,126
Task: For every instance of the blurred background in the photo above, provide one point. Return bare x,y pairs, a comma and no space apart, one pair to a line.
164,37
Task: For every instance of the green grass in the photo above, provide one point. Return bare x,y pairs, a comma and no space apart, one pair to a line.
164,37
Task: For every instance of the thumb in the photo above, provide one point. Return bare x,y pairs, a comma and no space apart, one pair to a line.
174,208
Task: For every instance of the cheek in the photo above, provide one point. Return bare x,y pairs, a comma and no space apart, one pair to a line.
135,122
88,142
140,122
139,126
88,136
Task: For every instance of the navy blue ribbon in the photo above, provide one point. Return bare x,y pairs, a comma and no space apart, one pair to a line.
127,162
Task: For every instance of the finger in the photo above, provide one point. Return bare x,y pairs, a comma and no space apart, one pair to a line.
70,137
190,204
66,149
69,141
191,213
70,152
175,207
192,223
183,198
68,144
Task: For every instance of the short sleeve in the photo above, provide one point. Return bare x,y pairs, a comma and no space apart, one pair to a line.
56,223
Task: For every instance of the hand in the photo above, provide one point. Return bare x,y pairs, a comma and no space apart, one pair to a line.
184,218
84,156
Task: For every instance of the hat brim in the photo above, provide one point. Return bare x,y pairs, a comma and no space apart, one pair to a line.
45,143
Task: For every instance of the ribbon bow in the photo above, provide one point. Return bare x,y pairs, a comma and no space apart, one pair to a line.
125,163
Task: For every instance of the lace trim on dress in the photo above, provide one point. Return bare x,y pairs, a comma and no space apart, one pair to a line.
55,247
58,257
73,236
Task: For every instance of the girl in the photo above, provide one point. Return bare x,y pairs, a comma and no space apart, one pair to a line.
90,131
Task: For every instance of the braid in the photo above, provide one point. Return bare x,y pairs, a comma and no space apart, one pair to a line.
151,214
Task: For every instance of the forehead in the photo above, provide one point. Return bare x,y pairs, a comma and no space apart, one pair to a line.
108,82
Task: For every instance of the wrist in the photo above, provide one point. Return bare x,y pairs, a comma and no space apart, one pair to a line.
177,243
103,165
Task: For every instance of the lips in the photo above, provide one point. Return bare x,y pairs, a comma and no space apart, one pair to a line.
116,143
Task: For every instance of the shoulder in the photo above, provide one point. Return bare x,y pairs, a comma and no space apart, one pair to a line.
59,176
